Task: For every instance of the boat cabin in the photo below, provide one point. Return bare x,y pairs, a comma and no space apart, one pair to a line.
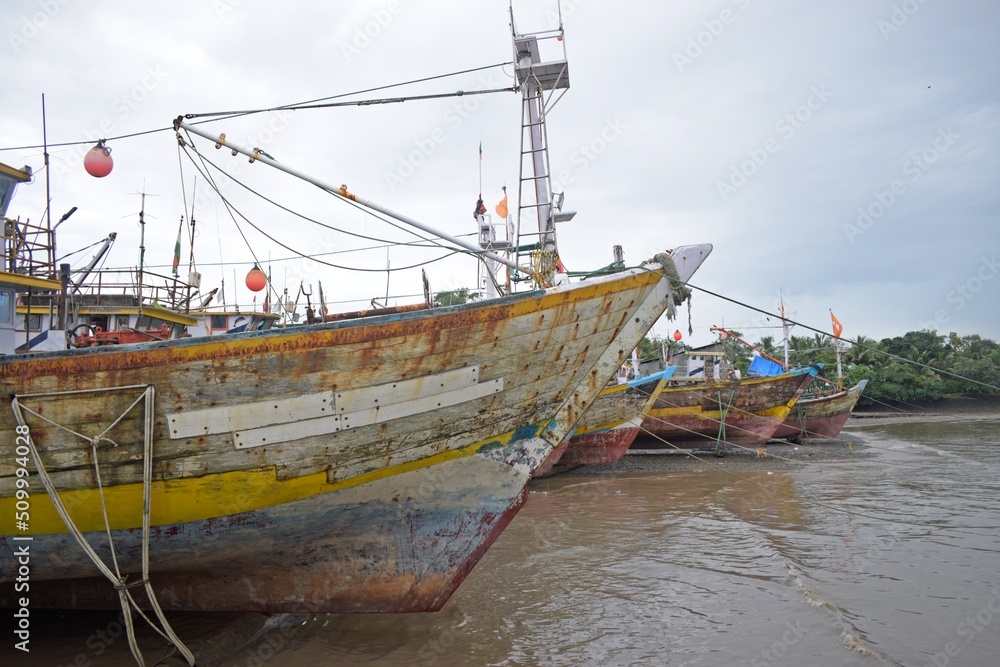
27,255
217,322
701,364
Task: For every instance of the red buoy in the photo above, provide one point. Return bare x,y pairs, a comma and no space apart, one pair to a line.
256,280
677,335
97,161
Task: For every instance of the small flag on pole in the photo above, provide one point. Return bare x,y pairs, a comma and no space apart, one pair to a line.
838,328
480,150
322,302
177,247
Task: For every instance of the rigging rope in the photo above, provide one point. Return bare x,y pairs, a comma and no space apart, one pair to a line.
229,205
213,117
355,103
788,494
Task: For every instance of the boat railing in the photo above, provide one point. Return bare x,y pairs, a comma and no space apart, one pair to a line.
121,287
28,249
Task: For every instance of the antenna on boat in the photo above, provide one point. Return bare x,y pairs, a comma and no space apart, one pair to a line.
48,196
142,238
193,275
222,263
785,327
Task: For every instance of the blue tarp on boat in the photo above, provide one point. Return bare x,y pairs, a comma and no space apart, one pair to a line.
764,367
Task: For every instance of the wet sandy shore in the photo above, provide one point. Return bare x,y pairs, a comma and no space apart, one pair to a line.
779,456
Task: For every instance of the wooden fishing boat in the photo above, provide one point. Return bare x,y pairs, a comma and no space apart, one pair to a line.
359,464
608,428
821,415
348,466
743,412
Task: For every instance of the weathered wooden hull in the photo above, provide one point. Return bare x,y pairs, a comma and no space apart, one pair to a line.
606,429
544,469
750,410
346,466
821,417
339,551
611,425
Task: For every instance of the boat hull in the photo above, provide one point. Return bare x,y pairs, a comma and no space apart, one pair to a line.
821,417
608,428
349,466
546,467
605,446
341,551
743,412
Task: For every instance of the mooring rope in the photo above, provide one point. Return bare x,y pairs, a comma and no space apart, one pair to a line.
116,578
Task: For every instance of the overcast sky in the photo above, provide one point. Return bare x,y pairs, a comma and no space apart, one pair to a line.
845,155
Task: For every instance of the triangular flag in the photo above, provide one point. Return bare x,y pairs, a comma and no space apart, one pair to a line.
838,328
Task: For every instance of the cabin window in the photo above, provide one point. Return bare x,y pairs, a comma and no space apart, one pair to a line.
121,322
32,322
143,322
5,308
220,322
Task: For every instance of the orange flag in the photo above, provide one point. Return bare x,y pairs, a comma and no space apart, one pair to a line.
838,328
502,206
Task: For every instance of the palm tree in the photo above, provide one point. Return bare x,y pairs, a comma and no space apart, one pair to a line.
865,351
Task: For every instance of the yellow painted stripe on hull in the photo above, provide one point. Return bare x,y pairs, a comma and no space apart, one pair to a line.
199,498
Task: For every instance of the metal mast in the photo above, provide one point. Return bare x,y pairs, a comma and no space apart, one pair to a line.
536,78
